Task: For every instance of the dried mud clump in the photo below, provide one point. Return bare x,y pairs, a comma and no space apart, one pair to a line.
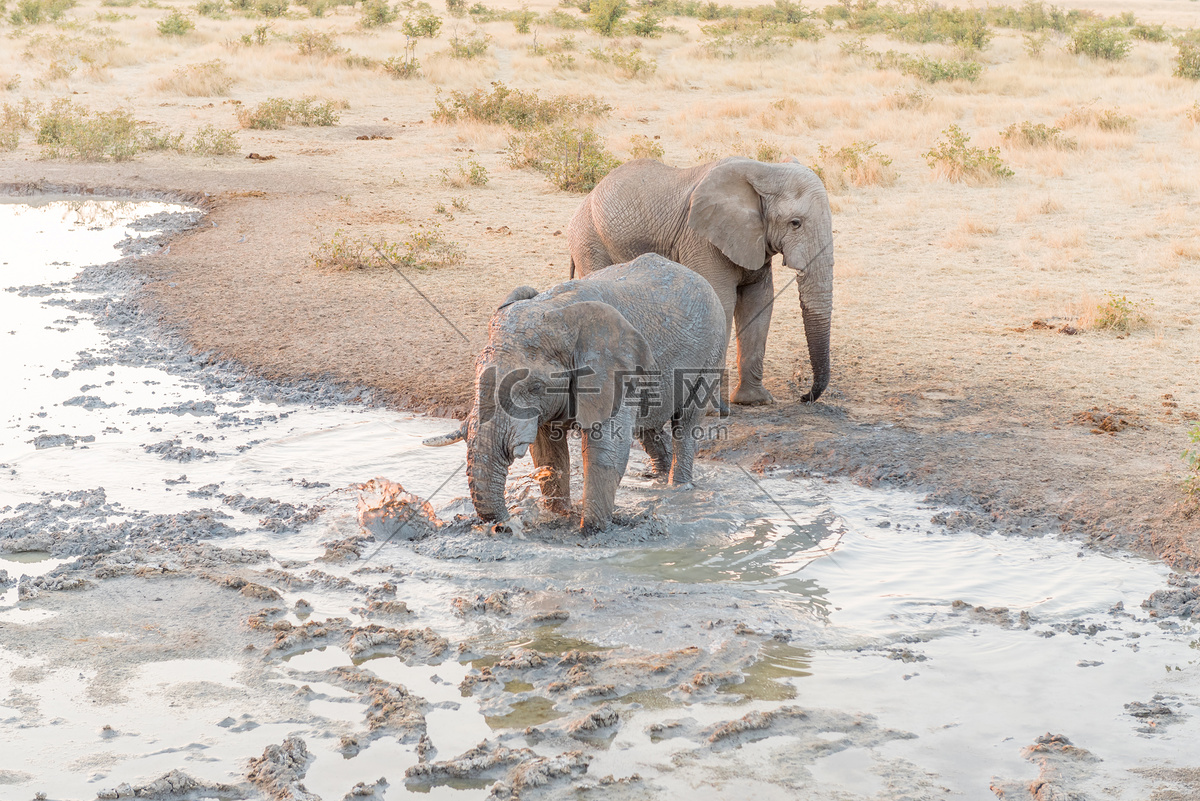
496,603
1103,421
391,709
292,638
485,761
245,587
998,615
600,718
1180,599
171,786
1153,714
753,722
415,646
535,778
1062,766
279,770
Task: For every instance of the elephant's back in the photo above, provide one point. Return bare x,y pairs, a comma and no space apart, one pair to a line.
675,307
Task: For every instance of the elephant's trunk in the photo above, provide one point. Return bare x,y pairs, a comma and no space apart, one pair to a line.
487,473
816,331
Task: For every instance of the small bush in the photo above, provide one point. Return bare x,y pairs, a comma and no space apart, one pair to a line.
35,12
425,248
1191,461
466,173
573,158
15,118
930,70
1039,135
561,61
214,9
1109,119
517,108
272,8
648,24
424,25
377,13
456,8
857,163
317,43
1100,41
207,79
955,159
1149,33
643,147
470,47
1187,59
628,63
73,132
405,66
768,152
1035,43
1119,313
1192,115
10,84
604,16
276,112
257,37
175,24
213,141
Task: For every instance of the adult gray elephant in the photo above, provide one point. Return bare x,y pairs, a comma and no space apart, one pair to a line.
725,220
632,350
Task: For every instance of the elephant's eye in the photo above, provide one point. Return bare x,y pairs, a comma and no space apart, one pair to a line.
796,224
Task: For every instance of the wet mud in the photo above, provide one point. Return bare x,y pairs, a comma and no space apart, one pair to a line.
213,585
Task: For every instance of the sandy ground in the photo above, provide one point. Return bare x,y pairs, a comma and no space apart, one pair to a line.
939,381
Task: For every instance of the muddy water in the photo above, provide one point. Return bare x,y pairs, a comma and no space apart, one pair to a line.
925,659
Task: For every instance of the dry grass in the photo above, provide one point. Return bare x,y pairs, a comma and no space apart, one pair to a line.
207,79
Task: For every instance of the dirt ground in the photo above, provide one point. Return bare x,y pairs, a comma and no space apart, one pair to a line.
940,380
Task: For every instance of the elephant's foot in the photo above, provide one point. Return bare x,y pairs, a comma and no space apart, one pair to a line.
752,396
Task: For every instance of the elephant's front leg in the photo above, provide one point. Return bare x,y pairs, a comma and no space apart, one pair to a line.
553,458
752,320
605,456
658,448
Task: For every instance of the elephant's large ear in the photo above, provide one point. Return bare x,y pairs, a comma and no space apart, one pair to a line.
726,210
607,348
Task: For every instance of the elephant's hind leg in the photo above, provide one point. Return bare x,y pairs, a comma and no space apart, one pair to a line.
658,448
683,440
553,459
752,319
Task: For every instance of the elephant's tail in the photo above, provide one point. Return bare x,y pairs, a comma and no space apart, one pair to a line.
447,439
572,267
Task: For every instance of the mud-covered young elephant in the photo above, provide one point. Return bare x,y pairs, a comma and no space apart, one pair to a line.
632,350
725,220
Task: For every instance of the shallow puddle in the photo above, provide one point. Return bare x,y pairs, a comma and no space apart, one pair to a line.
956,648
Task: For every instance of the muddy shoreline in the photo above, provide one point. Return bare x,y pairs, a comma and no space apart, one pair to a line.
1009,462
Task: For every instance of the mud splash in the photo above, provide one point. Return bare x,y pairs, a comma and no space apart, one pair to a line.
187,586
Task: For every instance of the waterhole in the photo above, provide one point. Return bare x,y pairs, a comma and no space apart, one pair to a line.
915,661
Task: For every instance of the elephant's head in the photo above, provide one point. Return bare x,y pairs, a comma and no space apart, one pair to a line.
751,211
544,362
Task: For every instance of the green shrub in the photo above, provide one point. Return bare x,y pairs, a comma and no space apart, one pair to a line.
1149,33
35,12
647,25
317,43
377,13
1035,43
175,24
956,160
1192,115
405,66
604,16
561,61
523,19
1187,59
930,70
1099,41
643,147
258,37
73,132
272,8
466,173
1033,15
520,109
470,47
15,118
425,248
276,112
213,141
629,63
572,157
214,9
1039,135
1119,313
425,25
456,8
